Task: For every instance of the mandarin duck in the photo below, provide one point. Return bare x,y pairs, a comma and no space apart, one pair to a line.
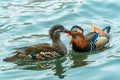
96,39
43,51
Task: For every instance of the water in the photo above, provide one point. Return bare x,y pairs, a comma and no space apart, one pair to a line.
26,22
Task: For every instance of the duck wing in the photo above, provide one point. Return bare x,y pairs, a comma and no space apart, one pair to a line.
41,51
35,47
90,36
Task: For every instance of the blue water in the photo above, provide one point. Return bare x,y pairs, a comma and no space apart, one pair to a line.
26,22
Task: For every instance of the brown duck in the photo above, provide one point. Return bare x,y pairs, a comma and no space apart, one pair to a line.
96,39
43,51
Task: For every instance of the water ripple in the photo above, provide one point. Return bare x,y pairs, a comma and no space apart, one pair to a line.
26,22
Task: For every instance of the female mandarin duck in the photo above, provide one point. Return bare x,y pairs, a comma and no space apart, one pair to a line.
45,50
97,38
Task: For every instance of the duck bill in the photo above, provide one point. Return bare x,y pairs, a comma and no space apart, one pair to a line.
68,33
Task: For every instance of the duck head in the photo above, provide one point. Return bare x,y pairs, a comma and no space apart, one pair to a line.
55,31
76,31
54,34
78,39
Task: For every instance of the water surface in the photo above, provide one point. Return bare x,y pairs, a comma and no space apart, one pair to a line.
26,22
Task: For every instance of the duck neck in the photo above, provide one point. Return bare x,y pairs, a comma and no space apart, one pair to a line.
56,37
79,41
58,44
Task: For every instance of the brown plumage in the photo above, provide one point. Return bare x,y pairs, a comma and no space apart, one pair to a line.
97,38
80,41
43,51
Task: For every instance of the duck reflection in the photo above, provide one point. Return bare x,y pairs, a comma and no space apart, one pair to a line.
59,69
78,59
73,60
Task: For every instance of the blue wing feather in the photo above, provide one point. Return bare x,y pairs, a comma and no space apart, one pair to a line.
95,37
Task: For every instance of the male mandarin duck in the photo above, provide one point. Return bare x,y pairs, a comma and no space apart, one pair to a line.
97,38
43,51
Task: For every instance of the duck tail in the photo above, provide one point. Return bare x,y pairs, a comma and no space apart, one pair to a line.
107,29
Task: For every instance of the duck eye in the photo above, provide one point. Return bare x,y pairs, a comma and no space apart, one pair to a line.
76,31
61,28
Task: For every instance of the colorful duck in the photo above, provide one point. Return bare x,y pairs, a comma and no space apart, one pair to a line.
43,51
97,38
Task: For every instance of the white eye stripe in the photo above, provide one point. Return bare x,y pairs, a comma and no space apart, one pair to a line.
58,30
78,30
